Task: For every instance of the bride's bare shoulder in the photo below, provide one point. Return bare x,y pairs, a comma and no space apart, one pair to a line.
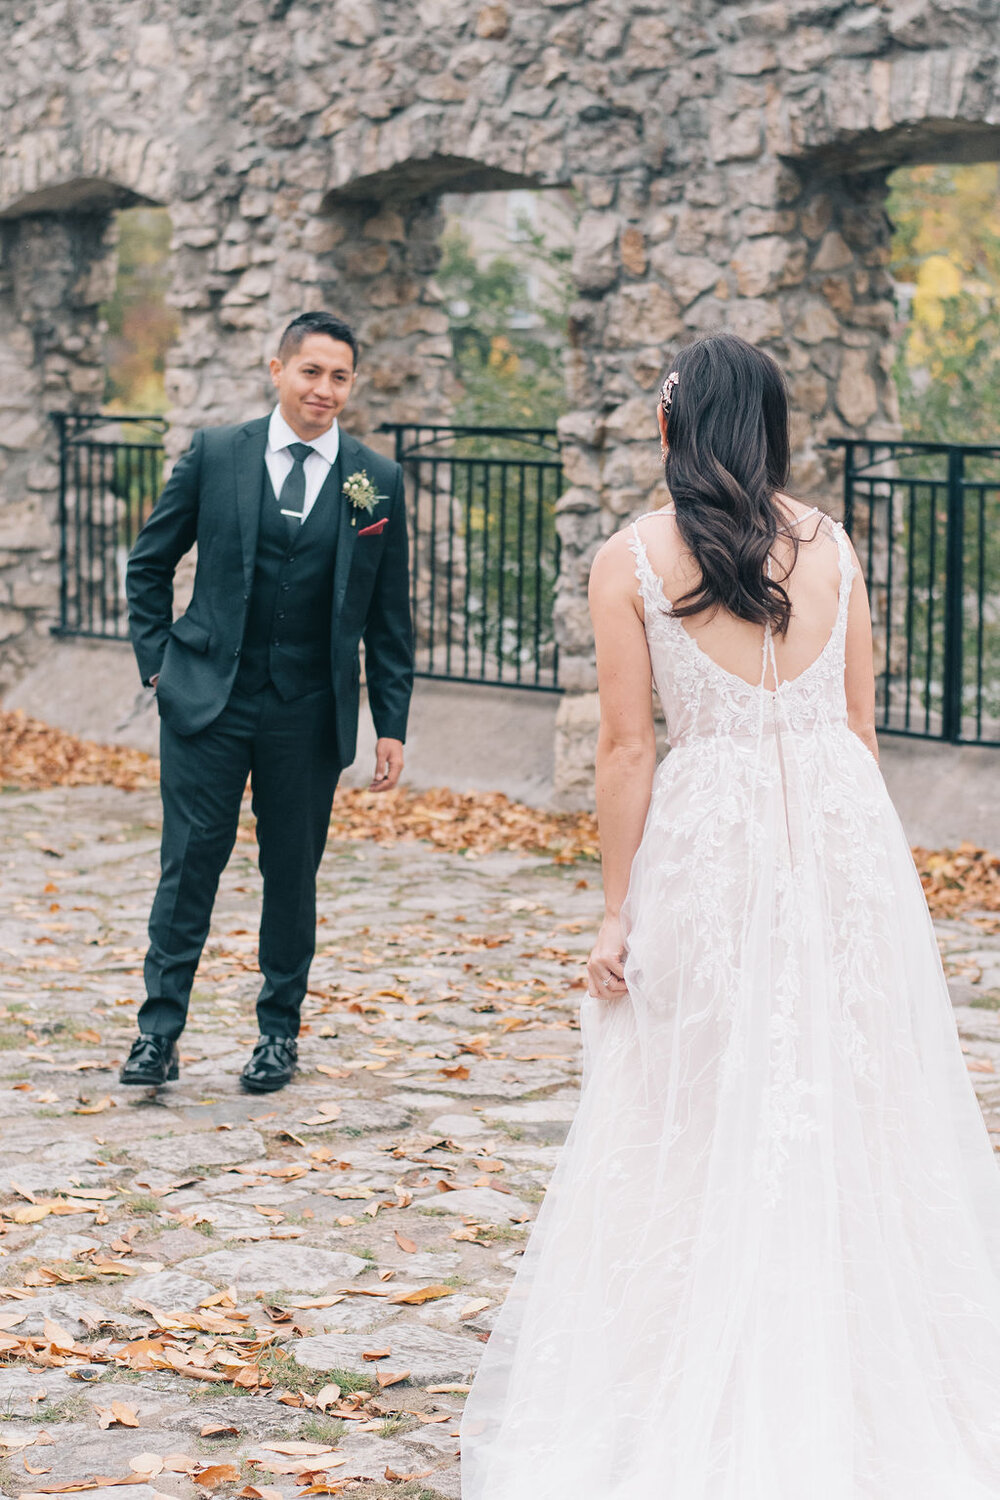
614,559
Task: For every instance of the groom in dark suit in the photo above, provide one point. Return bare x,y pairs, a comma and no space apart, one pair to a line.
302,552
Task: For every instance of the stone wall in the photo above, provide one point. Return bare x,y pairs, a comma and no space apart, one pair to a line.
729,161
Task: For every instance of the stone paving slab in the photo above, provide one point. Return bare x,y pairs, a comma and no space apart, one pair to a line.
439,1073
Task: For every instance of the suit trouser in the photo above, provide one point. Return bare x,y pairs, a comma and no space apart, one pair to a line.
289,752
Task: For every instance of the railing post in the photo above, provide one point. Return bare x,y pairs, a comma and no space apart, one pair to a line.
849,486
59,418
951,706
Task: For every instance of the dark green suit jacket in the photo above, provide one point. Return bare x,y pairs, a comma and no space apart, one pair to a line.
213,497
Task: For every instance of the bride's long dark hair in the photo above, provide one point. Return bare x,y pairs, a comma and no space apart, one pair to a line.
727,435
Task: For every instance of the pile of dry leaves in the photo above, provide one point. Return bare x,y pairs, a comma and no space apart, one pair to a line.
957,880
481,822
33,756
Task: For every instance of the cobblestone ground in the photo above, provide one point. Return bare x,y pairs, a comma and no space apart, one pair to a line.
185,1274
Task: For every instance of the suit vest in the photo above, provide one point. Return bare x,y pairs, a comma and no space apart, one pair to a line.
286,642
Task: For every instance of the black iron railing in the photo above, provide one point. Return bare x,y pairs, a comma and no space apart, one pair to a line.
110,473
925,520
484,551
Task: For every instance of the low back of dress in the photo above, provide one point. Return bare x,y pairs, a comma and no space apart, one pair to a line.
702,699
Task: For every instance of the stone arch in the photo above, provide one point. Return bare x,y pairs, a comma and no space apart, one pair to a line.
59,195
729,161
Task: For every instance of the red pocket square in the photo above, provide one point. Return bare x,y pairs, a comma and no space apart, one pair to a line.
375,528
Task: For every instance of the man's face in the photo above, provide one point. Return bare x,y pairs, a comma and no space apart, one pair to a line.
313,384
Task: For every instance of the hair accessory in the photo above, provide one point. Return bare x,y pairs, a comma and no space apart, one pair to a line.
667,392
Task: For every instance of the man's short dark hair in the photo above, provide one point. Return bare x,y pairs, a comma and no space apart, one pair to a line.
316,322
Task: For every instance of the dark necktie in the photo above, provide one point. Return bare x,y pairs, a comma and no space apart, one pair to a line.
292,499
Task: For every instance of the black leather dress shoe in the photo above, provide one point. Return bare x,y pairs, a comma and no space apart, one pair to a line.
271,1066
153,1060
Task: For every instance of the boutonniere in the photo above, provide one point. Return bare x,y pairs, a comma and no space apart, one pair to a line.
362,494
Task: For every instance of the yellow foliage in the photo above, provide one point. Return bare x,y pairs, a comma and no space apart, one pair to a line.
502,357
937,278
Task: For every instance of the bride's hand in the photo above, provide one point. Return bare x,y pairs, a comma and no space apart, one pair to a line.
606,964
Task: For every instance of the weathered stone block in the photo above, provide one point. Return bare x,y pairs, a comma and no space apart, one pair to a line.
765,264
833,253
736,137
857,395
687,276
633,420
493,22
594,265
643,313
633,251
815,322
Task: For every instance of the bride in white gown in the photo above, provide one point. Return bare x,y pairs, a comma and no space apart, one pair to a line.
768,1264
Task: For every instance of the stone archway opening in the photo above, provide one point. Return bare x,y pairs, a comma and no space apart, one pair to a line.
456,277
58,255
140,325
924,505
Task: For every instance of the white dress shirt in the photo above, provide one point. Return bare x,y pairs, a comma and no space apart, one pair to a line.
317,466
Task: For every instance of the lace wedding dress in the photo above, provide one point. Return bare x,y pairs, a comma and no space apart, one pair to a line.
768,1264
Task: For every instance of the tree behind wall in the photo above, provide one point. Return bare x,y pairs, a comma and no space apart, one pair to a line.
946,263
508,342
141,326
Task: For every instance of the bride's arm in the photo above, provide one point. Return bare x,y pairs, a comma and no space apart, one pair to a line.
626,745
859,674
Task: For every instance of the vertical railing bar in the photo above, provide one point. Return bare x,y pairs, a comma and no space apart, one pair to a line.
78,530
486,576
433,567
981,610
890,546
104,536
468,470
451,574
910,613
539,554
520,568
954,564
931,567
556,567
90,536
501,565
849,488
61,421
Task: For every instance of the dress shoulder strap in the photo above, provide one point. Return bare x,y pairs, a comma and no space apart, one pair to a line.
848,568
650,586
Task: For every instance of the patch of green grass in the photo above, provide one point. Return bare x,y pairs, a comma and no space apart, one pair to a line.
531,1192
320,1429
988,1000
392,1425
285,1371
349,1381
204,1227
351,1130
213,1390
366,1253
71,1410
10,1041
140,1203
431,1213
505,1234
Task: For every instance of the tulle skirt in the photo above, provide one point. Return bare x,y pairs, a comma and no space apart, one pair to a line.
767,1264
